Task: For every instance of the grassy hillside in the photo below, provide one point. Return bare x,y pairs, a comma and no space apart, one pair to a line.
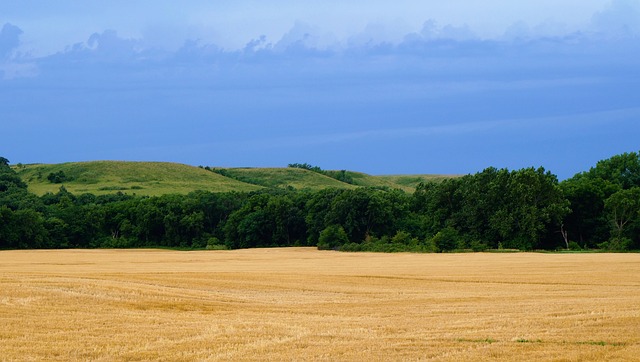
406,183
409,182
157,178
141,178
283,177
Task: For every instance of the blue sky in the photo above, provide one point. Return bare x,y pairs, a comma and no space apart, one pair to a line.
409,87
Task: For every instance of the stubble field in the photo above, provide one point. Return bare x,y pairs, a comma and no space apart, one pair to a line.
305,304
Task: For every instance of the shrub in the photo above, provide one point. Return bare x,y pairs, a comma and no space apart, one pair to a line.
332,237
477,245
57,177
446,239
574,246
214,243
402,238
616,244
352,247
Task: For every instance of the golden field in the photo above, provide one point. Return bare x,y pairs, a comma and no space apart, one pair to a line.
305,304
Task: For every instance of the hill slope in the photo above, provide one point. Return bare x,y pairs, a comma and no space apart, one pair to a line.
406,183
141,178
284,177
157,178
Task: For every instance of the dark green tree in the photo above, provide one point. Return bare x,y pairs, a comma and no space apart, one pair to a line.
22,229
535,204
586,223
57,177
317,208
622,170
9,179
513,208
623,212
365,212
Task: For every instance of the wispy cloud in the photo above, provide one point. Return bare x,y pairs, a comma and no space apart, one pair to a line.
620,19
9,40
552,126
309,86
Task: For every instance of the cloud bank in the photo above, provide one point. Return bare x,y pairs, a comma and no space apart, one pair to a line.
437,98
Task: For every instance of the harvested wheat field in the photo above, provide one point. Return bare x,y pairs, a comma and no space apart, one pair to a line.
305,304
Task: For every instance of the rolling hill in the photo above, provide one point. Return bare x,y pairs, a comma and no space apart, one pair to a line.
284,177
406,183
157,178
141,178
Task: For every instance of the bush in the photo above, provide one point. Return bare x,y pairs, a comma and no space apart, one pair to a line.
402,238
214,243
332,237
57,177
477,245
574,246
616,244
352,247
446,239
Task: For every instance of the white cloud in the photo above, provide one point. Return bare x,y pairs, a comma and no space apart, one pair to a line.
49,27
621,19
422,90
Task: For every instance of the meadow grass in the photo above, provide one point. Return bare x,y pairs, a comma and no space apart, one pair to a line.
159,178
305,304
286,177
141,178
410,182
406,183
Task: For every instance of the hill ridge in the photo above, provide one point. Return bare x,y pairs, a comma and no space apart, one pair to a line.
149,178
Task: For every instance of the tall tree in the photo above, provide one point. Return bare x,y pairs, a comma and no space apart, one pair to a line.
622,170
586,223
623,210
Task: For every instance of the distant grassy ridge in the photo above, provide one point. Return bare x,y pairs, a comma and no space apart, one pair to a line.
406,183
158,178
285,177
141,178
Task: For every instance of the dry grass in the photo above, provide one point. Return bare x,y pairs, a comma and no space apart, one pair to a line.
304,304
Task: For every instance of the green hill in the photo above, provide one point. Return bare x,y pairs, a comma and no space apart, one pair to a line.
141,178
409,182
406,183
284,177
157,178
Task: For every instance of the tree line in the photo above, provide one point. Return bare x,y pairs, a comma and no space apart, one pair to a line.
525,209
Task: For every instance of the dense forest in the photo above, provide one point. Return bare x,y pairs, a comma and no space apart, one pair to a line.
527,209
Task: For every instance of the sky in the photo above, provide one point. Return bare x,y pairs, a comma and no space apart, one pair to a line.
403,87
